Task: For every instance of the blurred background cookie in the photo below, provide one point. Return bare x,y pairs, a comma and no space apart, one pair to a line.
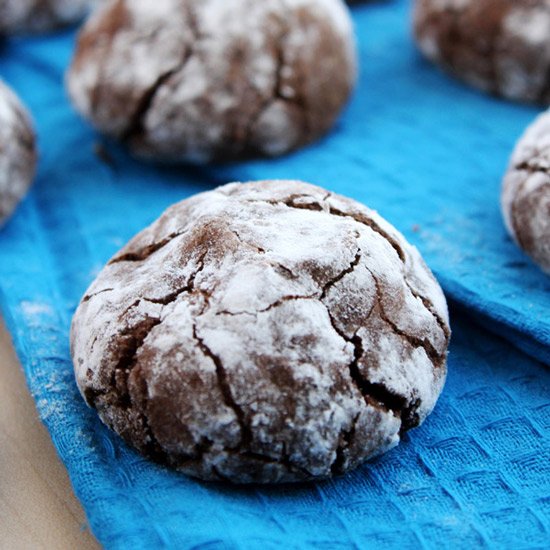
32,16
526,192
205,80
499,46
17,152
263,332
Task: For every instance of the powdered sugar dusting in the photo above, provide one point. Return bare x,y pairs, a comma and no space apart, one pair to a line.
499,46
526,192
197,81
275,317
529,24
17,154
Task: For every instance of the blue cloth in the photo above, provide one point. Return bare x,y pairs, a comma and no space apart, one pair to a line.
429,154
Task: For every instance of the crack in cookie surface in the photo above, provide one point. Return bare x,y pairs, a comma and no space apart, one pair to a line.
246,434
320,206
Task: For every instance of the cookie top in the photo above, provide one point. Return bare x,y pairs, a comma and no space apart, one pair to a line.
204,80
263,332
28,16
500,46
526,192
17,152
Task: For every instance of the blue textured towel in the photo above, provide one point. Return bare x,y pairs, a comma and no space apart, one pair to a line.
429,154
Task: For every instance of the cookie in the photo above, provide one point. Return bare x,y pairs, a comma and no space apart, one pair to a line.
526,192
17,152
499,46
210,80
29,16
263,332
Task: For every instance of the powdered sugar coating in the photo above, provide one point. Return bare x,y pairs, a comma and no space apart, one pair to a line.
499,46
17,152
526,192
189,80
22,16
263,332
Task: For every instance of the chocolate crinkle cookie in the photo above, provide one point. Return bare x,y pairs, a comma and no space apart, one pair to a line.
500,46
30,16
17,152
526,192
212,80
263,332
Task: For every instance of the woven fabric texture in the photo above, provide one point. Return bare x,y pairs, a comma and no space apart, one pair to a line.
429,154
